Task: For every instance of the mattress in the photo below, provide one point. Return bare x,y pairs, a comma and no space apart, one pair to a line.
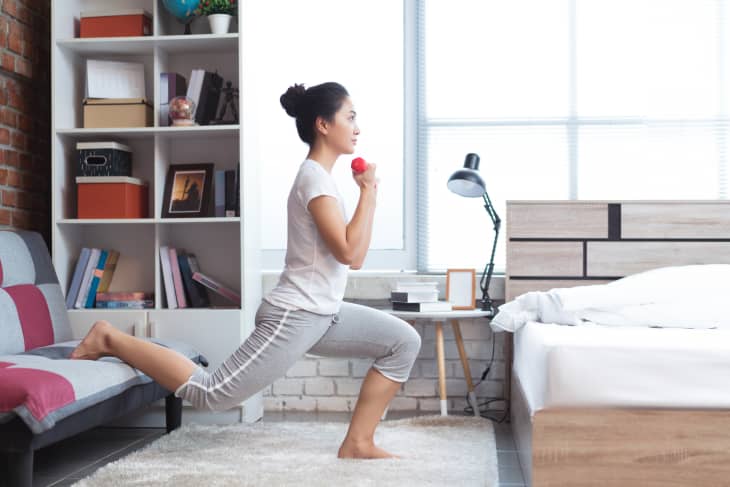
599,366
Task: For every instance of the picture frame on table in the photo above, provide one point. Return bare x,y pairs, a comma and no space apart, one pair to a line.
461,288
188,191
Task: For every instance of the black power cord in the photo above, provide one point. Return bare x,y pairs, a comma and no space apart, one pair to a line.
496,415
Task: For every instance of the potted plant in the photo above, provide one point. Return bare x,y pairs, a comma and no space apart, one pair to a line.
219,13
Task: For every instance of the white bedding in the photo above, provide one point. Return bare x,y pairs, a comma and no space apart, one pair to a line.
672,297
594,366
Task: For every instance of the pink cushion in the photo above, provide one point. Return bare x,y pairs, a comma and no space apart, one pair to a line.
35,319
40,391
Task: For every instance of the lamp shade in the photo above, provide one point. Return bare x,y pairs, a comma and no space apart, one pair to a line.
467,181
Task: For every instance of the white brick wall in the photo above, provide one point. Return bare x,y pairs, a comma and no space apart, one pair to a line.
327,384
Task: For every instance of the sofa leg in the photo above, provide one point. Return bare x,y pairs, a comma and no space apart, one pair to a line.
20,468
173,412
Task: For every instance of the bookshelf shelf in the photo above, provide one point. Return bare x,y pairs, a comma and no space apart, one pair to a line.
172,312
225,248
144,132
182,221
95,221
148,221
147,44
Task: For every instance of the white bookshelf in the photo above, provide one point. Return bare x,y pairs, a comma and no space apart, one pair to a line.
226,248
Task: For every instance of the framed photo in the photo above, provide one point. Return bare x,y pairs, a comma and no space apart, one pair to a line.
461,288
188,189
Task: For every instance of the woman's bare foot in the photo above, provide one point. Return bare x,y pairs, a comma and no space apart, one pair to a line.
362,450
95,344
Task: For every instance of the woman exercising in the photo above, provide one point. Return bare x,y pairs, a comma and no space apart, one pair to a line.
304,313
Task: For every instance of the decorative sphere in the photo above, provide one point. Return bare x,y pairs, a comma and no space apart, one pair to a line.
183,10
182,110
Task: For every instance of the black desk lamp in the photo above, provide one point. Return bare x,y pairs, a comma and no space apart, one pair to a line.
467,182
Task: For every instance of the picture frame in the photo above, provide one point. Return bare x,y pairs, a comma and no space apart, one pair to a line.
461,288
188,191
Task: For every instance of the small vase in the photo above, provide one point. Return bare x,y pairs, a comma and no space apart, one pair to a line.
219,23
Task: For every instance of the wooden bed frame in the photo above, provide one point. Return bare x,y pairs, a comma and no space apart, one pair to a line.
569,243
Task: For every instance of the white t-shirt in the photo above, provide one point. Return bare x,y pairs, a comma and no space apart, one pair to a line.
313,280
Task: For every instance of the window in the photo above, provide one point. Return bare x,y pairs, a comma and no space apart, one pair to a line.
589,99
360,45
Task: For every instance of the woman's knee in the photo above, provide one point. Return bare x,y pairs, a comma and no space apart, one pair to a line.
410,343
202,392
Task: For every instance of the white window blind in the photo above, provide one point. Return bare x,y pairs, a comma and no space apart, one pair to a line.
588,99
361,46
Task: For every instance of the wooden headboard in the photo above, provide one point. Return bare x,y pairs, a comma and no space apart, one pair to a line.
571,243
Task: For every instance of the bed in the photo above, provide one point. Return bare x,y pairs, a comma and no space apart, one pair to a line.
596,405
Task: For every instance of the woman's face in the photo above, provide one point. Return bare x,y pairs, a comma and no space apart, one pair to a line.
343,130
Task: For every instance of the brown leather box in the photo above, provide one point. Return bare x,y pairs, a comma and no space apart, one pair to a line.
115,23
111,197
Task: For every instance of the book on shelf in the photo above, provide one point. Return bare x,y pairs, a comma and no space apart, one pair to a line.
219,189
124,296
96,279
202,290
109,268
230,198
86,281
414,296
167,277
171,85
205,90
423,307
197,294
177,279
237,190
131,304
73,290
217,287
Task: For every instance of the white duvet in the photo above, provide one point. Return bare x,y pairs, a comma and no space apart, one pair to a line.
696,296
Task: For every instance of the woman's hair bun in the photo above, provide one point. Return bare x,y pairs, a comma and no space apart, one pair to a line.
292,99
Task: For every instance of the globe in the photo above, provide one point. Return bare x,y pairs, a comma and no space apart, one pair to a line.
183,10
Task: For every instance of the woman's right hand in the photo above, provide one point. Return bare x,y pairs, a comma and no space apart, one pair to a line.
366,179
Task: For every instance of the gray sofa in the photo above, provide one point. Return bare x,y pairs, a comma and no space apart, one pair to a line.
44,396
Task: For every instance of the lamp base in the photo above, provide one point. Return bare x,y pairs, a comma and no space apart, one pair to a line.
485,304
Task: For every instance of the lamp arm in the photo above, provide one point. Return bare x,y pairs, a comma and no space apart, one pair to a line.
486,302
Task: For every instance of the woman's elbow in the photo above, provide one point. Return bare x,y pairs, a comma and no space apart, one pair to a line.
345,258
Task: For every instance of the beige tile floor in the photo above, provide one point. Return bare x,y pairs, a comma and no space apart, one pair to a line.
68,461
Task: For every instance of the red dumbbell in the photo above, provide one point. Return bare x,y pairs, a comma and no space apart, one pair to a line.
359,165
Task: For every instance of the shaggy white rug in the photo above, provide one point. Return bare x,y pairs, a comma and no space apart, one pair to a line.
436,451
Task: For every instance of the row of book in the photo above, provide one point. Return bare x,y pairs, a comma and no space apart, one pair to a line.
91,280
187,287
417,296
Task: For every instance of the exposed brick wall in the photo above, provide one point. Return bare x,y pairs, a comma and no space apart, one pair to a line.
324,384
25,115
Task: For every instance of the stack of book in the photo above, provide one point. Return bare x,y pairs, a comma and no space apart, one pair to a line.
185,285
125,300
417,296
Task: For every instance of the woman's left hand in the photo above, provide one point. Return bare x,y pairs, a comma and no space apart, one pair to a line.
366,179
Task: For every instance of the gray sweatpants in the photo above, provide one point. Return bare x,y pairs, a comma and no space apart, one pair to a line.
282,337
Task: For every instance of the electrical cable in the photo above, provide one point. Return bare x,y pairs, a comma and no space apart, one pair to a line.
496,415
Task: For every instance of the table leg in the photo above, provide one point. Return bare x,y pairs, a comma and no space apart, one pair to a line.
442,367
465,364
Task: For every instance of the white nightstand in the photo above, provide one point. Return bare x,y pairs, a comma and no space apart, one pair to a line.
438,318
